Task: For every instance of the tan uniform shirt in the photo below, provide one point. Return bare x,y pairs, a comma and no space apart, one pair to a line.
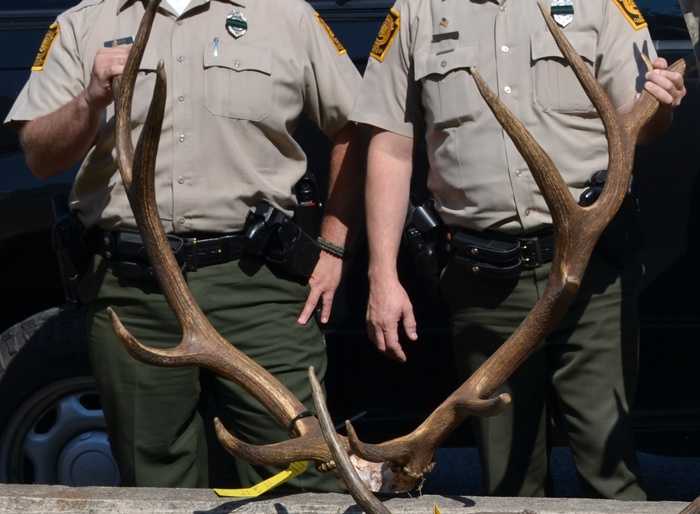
232,106
418,72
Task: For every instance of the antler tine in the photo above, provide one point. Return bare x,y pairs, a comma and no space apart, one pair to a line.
357,488
310,446
123,89
413,453
201,344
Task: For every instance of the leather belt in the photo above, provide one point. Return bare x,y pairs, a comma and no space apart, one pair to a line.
501,254
193,251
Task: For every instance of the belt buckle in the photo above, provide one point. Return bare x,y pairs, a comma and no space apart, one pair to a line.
530,253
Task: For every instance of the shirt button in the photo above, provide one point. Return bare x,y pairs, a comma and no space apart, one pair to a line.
518,173
180,58
505,49
181,180
443,63
507,90
236,64
527,212
180,98
182,221
181,138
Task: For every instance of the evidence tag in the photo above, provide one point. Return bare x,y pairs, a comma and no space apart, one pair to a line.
294,470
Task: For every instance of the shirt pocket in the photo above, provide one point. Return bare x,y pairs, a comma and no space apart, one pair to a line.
448,91
555,85
238,81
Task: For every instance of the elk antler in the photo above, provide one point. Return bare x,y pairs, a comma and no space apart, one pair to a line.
201,344
576,229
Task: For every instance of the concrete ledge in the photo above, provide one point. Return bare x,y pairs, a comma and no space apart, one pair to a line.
97,500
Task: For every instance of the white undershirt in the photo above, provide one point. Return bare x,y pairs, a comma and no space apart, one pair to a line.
179,6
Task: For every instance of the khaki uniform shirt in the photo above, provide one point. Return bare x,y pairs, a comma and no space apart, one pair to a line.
417,73
232,105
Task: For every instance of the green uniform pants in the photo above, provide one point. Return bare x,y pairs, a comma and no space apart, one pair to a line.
577,373
156,429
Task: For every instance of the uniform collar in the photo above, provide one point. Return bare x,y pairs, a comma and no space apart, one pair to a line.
123,3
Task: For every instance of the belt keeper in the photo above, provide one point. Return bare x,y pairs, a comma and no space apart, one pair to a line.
328,247
303,414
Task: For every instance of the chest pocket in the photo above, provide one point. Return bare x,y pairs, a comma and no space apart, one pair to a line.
448,91
554,82
237,81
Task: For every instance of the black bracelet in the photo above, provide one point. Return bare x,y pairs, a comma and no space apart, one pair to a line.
333,249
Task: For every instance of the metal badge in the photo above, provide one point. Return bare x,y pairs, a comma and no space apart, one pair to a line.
562,11
236,24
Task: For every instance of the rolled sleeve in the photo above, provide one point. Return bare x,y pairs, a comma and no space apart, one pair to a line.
622,67
57,83
388,96
331,79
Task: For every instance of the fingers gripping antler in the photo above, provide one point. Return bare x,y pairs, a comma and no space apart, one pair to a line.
201,344
577,230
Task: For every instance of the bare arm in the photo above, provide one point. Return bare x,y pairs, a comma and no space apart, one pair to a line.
389,169
339,222
56,141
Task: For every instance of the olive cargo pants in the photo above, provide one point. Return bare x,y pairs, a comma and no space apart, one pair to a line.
577,371
156,430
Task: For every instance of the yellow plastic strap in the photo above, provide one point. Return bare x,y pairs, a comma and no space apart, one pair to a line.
294,470
436,509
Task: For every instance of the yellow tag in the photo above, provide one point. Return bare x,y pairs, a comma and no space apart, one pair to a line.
387,33
294,470
436,509
630,11
334,39
46,43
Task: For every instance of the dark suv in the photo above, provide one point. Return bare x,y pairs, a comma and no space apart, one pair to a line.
51,425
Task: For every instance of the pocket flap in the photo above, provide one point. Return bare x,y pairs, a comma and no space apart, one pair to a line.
543,45
238,57
430,63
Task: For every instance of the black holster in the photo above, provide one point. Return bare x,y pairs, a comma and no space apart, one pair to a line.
278,240
424,237
72,253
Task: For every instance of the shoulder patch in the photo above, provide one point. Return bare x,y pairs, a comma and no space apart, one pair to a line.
45,47
630,11
331,35
387,33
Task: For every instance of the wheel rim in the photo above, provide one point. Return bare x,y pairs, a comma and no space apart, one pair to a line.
58,436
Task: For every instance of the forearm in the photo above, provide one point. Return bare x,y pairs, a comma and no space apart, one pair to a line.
55,142
345,183
388,187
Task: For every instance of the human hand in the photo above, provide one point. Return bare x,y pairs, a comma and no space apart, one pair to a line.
388,306
323,282
108,63
666,86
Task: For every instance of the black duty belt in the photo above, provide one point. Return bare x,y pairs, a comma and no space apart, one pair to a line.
501,254
193,251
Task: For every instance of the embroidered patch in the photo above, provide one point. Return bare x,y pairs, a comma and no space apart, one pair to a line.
334,39
387,33
630,11
45,47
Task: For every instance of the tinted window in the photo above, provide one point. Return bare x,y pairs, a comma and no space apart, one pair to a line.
24,5
664,18
652,7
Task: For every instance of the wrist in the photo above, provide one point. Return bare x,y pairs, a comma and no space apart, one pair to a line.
382,274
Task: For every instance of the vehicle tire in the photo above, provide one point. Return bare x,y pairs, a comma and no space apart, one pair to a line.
52,429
